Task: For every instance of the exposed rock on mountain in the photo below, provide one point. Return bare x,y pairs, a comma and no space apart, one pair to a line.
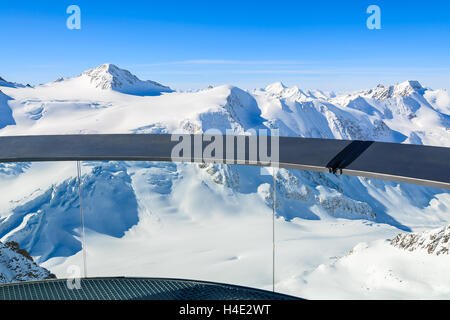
16,265
435,241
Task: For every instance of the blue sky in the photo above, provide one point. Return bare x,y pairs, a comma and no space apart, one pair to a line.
191,44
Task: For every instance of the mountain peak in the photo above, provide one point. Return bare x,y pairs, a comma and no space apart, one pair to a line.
275,87
106,68
109,76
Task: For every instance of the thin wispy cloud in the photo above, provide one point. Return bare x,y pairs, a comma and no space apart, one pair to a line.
314,71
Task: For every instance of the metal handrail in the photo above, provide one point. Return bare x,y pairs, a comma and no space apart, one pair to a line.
417,164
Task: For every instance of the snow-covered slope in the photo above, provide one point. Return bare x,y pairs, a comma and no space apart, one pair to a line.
440,99
139,220
409,266
16,265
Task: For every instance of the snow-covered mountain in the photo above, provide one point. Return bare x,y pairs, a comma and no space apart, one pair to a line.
405,112
109,76
406,108
106,77
17,265
139,220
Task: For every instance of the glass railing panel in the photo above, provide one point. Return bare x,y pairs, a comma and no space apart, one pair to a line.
342,237
39,220
335,236
177,220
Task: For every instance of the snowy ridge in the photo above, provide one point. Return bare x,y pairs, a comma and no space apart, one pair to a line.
16,265
4,83
432,241
399,90
279,90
